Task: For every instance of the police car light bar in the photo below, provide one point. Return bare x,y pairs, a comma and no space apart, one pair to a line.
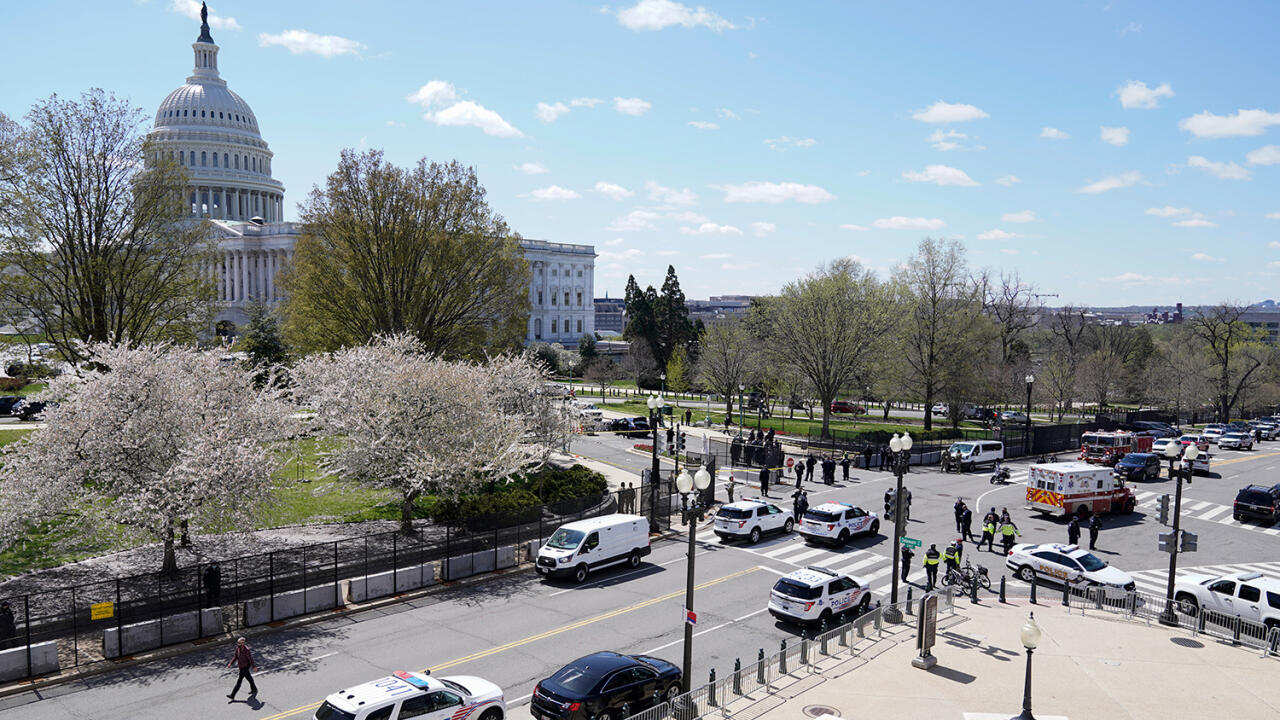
412,679
821,569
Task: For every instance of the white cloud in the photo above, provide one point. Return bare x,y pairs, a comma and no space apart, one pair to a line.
614,242
553,192
710,228
670,196
628,254
635,221
586,102
703,125
394,123
436,92
1265,155
1195,222
1244,123
855,228
531,168
941,175
1132,27
631,106
298,42
1053,133
659,14
1273,216
1133,278
761,229
941,113
1024,216
548,113
470,114
774,193
998,234
786,141
1113,182
1220,170
1168,211
191,9
945,146
946,140
1008,180
727,114
617,192
1118,136
1205,257
687,216
898,222
1136,94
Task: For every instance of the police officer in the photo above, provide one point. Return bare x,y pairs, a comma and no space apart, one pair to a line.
844,467
735,450
800,504
988,533
810,463
931,566
966,522
951,557
733,483
764,481
1073,531
1007,531
1095,525
958,509
907,555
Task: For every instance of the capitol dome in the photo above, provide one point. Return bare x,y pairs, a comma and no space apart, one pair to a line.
212,133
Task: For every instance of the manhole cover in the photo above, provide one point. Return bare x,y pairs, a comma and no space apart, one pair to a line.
814,711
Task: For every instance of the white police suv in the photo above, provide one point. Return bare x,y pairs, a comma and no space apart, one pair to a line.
818,595
751,518
1059,563
416,695
836,522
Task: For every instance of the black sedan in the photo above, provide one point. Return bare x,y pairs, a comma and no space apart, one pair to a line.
1138,466
605,686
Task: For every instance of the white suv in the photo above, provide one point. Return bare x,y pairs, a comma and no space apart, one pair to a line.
750,519
1236,440
816,594
1250,595
836,522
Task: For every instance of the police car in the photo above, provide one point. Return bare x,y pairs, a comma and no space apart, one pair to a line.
416,695
751,518
836,522
818,595
1060,563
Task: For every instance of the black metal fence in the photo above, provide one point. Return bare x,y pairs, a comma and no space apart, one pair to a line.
91,622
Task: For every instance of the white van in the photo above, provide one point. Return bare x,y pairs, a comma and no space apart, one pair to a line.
581,547
968,454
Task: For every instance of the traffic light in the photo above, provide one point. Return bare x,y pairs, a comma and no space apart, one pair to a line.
1189,541
1164,509
1166,542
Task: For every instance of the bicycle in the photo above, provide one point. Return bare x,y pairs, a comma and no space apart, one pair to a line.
968,575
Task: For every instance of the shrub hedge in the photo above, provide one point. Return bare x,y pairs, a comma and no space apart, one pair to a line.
518,501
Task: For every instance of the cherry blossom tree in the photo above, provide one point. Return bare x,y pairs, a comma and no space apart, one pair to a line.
150,439
400,419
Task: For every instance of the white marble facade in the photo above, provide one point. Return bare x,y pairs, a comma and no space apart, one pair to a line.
561,292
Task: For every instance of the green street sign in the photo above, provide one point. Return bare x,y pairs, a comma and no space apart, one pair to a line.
909,542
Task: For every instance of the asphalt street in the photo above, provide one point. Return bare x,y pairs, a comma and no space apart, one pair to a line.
516,628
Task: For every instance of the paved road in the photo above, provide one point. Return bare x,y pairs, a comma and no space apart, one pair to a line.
516,629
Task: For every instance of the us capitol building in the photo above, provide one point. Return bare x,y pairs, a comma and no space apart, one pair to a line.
213,133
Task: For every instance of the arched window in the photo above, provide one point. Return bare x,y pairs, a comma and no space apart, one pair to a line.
182,157
204,160
237,162
225,158
537,329
201,113
215,159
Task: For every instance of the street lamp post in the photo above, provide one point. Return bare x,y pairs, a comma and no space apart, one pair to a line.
687,484
1026,440
901,448
741,387
655,403
1030,639
1170,616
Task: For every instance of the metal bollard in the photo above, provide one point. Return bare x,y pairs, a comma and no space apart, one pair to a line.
760,668
822,648
1235,632
973,592
1002,598
626,710
910,611
1034,584
782,658
844,635
711,689
879,618
737,676
804,651
1099,594
1066,594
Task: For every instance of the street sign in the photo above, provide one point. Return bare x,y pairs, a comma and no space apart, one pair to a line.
926,632
691,617
1166,542
102,610
791,461
909,542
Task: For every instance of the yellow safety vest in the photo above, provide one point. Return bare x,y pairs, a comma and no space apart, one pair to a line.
1008,530
989,529
950,555
930,560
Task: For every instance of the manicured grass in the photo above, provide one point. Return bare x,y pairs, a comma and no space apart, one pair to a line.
7,436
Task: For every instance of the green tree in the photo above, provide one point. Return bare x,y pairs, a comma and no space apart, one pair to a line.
388,250
587,351
661,321
726,359
261,339
678,370
1238,357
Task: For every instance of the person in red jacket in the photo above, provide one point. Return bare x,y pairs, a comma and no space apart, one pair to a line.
243,659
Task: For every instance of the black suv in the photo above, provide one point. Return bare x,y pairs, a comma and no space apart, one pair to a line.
1258,502
598,686
1138,466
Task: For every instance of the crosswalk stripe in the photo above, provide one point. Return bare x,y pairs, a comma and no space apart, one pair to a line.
799,556
876,574
1198,506
1213,513
1230,520
1272,531
1144,495
860,564
786,548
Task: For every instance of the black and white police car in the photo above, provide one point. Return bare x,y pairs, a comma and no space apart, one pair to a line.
416,695
818,595
1059,563
836,522
750,518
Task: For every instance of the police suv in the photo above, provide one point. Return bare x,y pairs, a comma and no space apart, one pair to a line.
816,594
1249,595
750,518
836,522
416,695
1060,563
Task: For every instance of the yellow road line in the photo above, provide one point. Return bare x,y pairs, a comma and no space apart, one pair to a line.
1242,459
542,636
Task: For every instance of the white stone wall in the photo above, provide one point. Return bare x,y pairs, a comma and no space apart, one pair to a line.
561,292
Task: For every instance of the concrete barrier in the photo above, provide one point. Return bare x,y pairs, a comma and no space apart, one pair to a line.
483,561
44,659
531,550
506,557
456,568
289,604
380,584
151,634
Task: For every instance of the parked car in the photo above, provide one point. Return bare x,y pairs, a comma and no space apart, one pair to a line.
969,454
7,402
1247,595
940,409
1158,445
1265,430
413,695
1212,434
972,412
1064,563
1257,502
27,409
596,687
1138,466
818,595
750,518
844,406
1161,430
1236,440
590,545
1016,417
1200,441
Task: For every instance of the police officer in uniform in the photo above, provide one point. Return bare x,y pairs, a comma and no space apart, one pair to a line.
988,533
1007,531
764,481
907,555
951,557
1073,531
931,557
800,504
1095,525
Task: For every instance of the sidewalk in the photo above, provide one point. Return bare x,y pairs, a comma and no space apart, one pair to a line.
1086,668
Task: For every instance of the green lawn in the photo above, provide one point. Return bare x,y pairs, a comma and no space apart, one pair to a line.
7,435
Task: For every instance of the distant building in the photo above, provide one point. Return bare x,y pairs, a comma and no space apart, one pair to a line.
560,296
719,308
611,315
1268,321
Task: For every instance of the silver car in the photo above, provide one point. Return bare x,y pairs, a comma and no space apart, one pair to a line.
1236,441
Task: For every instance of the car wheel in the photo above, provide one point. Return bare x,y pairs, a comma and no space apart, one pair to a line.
492,714
605,715
844,537
673,692
633,560
1027,574
580,574
1188,604
755,535
875,527
788,526
824,621
1128,507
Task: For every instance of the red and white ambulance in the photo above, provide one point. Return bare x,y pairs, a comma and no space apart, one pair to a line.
1077,487
1107,447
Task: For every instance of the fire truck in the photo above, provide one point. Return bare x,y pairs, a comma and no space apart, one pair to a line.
1077,487
1107,448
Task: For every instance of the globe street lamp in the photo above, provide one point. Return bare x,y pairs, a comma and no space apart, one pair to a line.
655,403
686,484
1026,441
1169,616
1030,639
901,448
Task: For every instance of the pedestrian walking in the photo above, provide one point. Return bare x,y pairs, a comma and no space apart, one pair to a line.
906,562
844,467
688,417
966,521
764,482
931,557
213,585
988,533
1073,531
1095,526
958,509
990,517
243,659
1004,515
1007,532
800,503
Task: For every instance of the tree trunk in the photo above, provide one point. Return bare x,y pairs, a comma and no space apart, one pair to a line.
406,513
169,568
885,407
928,410
186,535
826,417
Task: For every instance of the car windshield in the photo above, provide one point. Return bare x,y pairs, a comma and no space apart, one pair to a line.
962,447
566,539
1257,497
1234,436
729,513
1090,562
1134,460
822,516
576,680
791,588
329,712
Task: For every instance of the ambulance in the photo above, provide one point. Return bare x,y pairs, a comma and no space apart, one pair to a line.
1077,487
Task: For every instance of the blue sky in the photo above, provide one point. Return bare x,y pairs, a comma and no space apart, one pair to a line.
1112,152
